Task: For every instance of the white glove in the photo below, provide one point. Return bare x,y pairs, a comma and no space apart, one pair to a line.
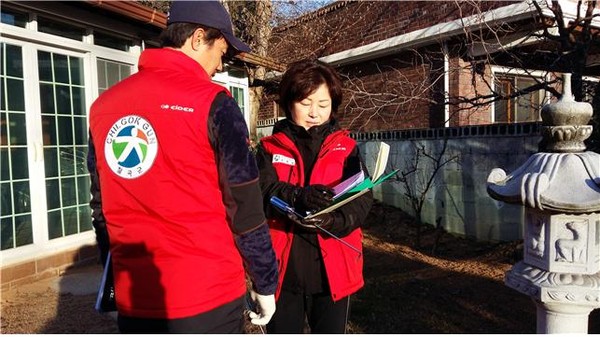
265,308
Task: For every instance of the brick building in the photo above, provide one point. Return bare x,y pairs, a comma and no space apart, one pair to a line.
429,64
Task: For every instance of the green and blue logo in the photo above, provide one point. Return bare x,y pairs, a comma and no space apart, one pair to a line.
131,146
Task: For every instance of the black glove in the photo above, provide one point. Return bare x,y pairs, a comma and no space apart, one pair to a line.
324,221
313,197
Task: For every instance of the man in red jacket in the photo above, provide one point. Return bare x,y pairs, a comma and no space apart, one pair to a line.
175,187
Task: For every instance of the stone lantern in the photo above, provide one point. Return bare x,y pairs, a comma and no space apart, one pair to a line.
560,190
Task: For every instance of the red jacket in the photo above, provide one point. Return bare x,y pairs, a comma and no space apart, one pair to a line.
343,265
173,252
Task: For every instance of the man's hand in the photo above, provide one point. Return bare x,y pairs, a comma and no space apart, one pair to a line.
313,197
265,308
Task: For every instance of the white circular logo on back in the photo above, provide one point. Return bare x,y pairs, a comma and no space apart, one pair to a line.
130,147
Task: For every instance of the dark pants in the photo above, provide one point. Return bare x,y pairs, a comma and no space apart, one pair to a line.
228,318
322,314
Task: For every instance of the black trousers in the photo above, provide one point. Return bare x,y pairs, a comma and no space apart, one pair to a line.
228,318
321,313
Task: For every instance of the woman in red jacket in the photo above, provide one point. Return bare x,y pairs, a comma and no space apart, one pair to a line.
307,154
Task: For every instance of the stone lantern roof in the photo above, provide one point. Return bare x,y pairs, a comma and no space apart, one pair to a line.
565,179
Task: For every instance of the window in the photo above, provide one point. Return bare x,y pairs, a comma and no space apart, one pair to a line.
13,18
238,95
525,108
64,126
16,227
109,73
590,90
110,41
49,26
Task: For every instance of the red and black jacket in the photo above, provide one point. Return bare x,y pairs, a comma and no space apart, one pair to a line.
173,249
282,169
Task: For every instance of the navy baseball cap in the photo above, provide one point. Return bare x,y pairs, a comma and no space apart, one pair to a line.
207,13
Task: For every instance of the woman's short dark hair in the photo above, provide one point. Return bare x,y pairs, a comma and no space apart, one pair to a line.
176,34
304,77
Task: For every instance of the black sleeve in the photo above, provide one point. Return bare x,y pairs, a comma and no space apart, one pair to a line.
98,221
238,172
352,215
270,184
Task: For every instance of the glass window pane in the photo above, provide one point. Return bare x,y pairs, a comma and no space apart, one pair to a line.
52,194
69,192
101,65
81,160
110,41
2,95
14,61
46,25
49,130
81,130
24,230
85,218
78,101
112,73
3,129
61,68
2,59
21,197
63,99
51,162
54,225
16,124
125,71
19,163
70,217
4,165
65,130
47,98
67,162
15,94
13,18
5,199
83,190
76,65
44,66
6,233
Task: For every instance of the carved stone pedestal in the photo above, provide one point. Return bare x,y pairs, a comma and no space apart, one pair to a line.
563,300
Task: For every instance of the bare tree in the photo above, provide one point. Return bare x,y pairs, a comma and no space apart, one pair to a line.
420,177
252,21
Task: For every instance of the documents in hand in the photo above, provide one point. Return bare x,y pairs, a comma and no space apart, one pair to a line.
105,300
348,189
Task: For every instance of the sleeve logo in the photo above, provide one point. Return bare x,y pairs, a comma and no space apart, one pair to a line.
130,147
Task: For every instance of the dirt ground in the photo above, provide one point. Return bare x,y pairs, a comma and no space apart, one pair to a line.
460,289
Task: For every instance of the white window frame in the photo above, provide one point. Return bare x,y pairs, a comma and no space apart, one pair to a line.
31,41
224,79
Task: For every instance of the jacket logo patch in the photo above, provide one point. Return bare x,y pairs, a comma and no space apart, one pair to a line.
339,147
176,108
284,160
130,147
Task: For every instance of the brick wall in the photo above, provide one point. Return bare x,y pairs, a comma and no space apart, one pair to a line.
356,23
45,267
402,91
